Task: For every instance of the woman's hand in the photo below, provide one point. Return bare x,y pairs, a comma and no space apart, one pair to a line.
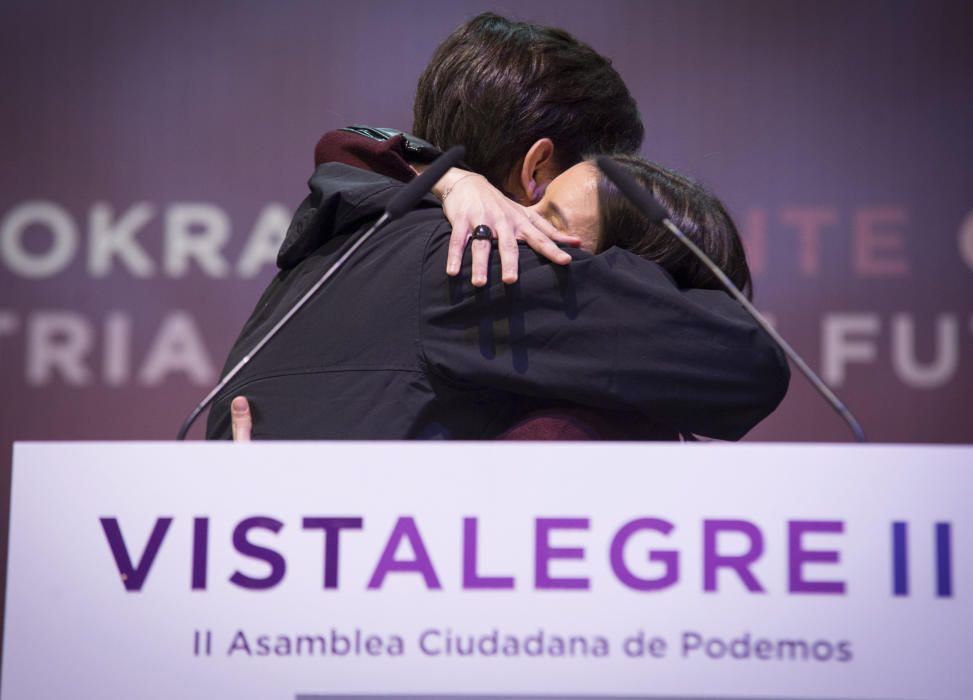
241,421
469,200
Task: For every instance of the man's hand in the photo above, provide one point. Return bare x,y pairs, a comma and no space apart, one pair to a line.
240,419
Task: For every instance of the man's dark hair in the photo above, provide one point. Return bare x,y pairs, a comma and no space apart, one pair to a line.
700,215
496,86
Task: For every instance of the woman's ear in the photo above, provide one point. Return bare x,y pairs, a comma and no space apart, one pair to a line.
538,170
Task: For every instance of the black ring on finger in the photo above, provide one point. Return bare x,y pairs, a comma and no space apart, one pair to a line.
483,233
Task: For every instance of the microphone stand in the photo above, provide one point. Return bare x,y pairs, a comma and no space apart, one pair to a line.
402,203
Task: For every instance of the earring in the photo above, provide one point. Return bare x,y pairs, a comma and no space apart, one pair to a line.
537,192
534,193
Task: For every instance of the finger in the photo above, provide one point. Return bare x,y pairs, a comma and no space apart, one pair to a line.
544,226
481,262
509,254
240,420
566,239
542,245
457,244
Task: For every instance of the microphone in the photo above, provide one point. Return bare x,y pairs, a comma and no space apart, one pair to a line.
400,204
645,202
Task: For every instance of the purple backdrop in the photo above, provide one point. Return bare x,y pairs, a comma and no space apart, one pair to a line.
152,154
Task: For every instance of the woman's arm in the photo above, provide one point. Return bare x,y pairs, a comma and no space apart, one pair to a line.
469,200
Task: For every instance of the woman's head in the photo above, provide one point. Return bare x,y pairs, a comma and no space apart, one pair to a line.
584,202
696,212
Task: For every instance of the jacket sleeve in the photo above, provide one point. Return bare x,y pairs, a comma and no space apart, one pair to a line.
610,331
381,150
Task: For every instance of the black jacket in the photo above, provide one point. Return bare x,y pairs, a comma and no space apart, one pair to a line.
393,348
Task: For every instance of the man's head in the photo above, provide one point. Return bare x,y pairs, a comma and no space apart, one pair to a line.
499,87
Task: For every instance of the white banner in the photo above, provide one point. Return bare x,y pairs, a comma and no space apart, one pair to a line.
322,570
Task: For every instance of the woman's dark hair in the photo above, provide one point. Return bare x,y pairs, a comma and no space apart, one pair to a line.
696,212
497,86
